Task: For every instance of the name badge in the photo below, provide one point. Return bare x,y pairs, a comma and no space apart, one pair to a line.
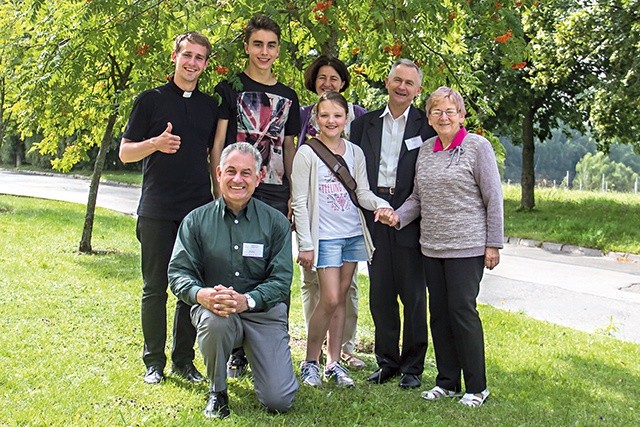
413,143
252,250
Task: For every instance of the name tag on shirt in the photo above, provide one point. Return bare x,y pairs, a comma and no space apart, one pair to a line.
413,143
253,250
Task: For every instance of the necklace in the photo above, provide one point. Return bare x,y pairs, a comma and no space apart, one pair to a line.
335,148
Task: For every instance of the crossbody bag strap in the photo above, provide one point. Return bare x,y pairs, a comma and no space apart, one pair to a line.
336,165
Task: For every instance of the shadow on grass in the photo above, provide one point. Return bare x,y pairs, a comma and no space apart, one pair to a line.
111,264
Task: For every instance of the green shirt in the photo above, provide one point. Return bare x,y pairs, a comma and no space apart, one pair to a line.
250,252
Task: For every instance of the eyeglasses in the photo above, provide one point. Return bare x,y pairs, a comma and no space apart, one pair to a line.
437,113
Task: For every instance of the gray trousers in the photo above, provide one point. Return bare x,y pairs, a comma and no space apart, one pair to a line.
265,339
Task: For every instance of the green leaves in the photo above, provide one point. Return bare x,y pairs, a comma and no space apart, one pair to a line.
69,57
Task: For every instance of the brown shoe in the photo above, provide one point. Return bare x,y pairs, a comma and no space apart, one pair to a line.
352,361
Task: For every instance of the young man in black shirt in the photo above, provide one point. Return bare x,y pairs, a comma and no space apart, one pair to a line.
170,129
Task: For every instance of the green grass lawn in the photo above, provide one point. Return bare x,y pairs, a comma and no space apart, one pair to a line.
607,221
70,350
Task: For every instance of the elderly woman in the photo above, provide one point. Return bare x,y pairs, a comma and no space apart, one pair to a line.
458,195
322,75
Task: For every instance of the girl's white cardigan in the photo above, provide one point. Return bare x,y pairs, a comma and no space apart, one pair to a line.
304,196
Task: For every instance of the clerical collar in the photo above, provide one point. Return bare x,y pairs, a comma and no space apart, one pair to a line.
183,93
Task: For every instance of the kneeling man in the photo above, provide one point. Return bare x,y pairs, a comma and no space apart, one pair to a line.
232,261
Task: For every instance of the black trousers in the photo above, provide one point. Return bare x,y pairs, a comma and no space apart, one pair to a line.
396,271
456,329
156,242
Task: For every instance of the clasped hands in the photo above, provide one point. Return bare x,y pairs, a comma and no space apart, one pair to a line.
222,301
386,216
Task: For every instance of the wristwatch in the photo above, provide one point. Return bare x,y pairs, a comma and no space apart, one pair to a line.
250,302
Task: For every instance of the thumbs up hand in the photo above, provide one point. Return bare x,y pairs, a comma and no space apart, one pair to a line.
166,142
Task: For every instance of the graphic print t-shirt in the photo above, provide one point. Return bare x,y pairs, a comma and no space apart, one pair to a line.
338,216
262,116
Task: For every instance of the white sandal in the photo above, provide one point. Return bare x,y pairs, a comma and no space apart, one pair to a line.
477,399
437,393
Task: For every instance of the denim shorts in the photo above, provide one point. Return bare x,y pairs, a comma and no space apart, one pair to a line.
333,252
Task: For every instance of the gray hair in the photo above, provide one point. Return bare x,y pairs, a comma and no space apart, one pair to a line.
407,63
243,147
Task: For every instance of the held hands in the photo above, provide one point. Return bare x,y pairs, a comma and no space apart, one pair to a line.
386,216
166,142
222,301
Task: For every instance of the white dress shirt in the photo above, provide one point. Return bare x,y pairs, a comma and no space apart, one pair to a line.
392,137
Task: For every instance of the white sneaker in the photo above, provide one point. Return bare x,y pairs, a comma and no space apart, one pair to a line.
310,373
339,374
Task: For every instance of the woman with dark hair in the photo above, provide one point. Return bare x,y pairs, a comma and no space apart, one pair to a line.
323,75
326,74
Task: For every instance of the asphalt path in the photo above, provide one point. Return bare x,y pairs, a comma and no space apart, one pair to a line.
598,294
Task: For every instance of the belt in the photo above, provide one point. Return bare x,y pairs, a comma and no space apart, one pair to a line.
387,190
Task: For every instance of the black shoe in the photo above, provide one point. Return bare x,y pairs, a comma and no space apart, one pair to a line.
410,381
217,405
188,372
154,375
382,375
237,365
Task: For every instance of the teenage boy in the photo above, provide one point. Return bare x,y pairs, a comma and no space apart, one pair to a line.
170,129
264,113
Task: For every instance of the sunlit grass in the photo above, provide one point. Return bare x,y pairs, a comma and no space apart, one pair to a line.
70,349
607,221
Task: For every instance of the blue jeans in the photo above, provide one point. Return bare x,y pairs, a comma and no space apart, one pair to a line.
334,252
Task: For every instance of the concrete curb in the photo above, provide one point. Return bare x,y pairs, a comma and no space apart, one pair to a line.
571,249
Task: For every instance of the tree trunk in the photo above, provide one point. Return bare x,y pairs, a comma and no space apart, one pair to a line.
87,229
119,78
528,179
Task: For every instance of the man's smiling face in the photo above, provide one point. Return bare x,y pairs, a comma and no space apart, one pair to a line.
238,179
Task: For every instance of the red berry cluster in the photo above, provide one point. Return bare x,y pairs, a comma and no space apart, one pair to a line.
395,49
502,39
142,49
221,69
319,11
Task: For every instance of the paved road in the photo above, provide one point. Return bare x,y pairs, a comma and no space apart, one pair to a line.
589,293
121,198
